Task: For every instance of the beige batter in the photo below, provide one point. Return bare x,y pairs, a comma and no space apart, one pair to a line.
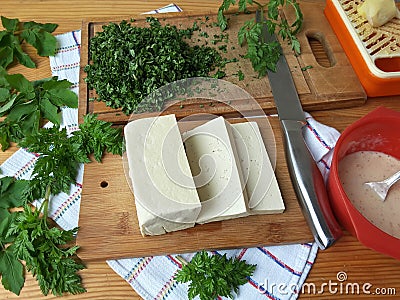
359,167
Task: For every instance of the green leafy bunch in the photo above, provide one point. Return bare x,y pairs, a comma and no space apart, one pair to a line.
60,155
211,276
130,62
36,34
29,235
264,55
26,105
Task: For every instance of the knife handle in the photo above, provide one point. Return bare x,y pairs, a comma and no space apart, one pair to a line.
309,185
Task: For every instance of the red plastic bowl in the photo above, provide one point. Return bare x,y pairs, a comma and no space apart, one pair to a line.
384,124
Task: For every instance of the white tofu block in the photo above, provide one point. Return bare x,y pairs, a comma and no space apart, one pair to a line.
165,194
213,160
261,185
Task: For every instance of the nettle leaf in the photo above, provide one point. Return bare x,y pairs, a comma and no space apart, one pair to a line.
63,97
20,111
44,42
4,94
49,110
59,93
3,34
23,58
4,223
31,123
6,56
11,270
5,136
37,34
6,218
5,107
20,83
12,192
49,27
53,84
9,24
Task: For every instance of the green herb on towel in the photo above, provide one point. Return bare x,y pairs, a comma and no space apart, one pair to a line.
213,276
28,235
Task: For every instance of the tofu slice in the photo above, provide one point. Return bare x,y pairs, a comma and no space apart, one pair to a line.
213,160
261,184
165,194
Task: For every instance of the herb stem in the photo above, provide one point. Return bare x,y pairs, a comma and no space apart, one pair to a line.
46,202
181,260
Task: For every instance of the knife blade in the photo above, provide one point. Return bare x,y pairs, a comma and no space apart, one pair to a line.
305,175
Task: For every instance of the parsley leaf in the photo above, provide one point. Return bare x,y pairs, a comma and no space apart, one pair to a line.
215,275
96,136
30,234
61,155
43,249
16,32
264,55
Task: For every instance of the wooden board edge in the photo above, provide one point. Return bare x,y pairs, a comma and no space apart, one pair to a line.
83,107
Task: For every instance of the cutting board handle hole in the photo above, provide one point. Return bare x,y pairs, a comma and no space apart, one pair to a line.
321,49
104,184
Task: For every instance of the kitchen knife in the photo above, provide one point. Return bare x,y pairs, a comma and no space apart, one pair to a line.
305,175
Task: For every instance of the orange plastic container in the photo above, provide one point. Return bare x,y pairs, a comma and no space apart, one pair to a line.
383,124
374,53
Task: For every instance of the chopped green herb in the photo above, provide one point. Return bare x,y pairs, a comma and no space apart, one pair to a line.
223,48
306,68
204,34
128,62
240,75
36,34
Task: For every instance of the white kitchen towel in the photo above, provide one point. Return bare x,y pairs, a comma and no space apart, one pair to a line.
281,270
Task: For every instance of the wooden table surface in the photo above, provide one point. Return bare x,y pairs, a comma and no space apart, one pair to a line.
361,265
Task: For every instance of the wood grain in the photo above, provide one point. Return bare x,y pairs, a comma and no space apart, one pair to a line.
361,264
323,86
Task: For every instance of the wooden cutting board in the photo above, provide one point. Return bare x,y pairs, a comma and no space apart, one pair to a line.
109,228
329,84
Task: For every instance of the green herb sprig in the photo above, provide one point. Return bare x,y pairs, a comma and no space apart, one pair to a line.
28,235
214,275
36,34
264,55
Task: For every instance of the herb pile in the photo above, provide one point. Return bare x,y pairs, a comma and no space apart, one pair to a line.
130,62
262,54
26,233
213,276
